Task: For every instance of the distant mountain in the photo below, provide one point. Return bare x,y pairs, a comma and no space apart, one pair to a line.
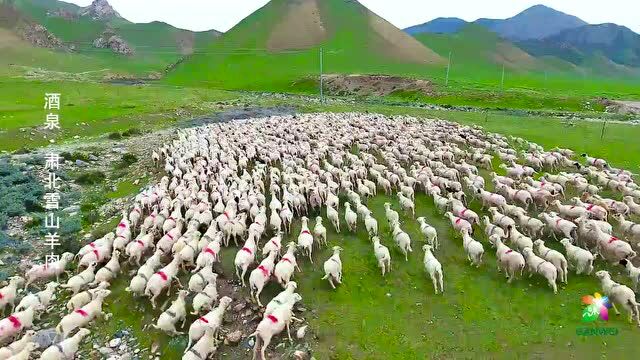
479,51
536,22
100,10
281,42
580,45
437,26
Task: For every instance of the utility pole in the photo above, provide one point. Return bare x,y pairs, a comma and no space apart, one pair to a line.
502,81
446,83
321,78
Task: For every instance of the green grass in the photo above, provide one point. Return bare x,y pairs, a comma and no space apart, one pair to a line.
103,108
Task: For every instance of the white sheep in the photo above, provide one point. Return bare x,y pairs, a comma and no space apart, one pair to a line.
176,312
536,264
205,299
334,217
633,272
110,270
273,245
144,273
285,268
429,232
473,249
320,231
459,224
209,254
305,238
619,294
281,298
83,298
333,267
48,270
17,346
83,316
350,217
245,257
555,257
260,276
161,280
204,347
509,261
213,320
371,224
273,324
392,216
382,255
433,268
25,354
202,278
403,241
85,277
67,348
14,324
407,204
9,293
578,258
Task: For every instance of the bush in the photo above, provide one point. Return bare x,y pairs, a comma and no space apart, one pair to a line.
128,159
75,156
115,136
20,192
132,132
22,151
91,177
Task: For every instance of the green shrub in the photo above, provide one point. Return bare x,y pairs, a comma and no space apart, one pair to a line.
91,177
22,150
132,132
129,159
115,136
20,192
76,155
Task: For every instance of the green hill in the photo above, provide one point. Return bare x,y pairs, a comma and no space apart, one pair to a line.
479,52
149,47
277,47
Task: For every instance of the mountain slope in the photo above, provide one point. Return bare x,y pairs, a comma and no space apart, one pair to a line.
581,45
98,31
536,22
437,26
278,45
477,51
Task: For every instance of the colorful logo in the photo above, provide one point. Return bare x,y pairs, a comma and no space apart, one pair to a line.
597,306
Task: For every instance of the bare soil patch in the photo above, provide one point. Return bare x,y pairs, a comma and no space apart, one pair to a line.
398,45
378,85
300,28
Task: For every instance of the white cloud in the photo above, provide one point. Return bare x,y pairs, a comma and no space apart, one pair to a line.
223,14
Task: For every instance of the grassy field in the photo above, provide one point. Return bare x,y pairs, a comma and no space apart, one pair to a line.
91,109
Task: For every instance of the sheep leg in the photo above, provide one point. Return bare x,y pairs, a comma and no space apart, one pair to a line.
615,309
244,272
289,331
435,283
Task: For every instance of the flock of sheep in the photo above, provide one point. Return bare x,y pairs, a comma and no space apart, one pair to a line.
246,181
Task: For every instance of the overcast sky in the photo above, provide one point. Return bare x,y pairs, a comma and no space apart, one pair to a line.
223,14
